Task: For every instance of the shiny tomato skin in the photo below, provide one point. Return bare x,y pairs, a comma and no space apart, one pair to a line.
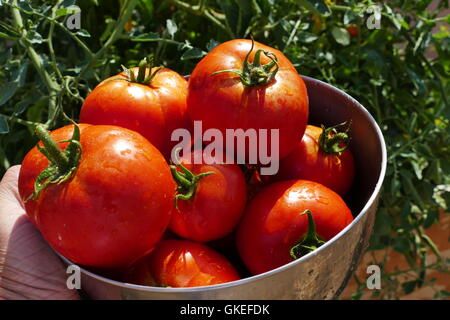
182,263
308,162
221,101
218,203
154,110
273,222
115,207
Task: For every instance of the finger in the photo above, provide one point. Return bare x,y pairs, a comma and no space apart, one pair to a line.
9,190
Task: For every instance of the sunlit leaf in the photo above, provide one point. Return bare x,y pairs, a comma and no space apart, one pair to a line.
193,53
7,91
316,6
341,35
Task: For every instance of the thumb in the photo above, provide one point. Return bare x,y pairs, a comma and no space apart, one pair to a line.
12,205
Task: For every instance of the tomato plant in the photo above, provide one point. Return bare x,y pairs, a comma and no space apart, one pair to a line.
102,196
182,263
211,197
151,101
274,229
243,84
321,156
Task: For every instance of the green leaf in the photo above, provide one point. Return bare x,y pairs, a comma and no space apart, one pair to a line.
409,286
7,91
83,33
418,82
21,106
147,37
402,245
443,294
35,112
67,3
67,11
419,164
307,37
212,44
398,21
8,32
193,53
147,6
34,37
25,6
350,16
329,58
316,6
434,172
20,74
357,295
341,35
265,6
441,195
4,128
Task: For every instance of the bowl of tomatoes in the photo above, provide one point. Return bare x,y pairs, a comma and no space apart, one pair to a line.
111,196
321,274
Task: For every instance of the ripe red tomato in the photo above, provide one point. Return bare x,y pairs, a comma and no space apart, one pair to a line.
262,97
154,109
326,160
273,224
213,202
182,263
113,209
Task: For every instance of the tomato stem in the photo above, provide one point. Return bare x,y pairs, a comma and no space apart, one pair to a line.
333,142
187,182
63,163
142,69
51,149
254,73
140,77
310,242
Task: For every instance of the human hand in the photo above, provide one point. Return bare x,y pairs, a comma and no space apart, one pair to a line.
29,269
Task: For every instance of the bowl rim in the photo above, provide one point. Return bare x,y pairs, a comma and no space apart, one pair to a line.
282,268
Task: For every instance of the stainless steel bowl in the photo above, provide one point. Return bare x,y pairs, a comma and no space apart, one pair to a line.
322,274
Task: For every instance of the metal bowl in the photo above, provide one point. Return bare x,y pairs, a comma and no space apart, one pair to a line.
321,274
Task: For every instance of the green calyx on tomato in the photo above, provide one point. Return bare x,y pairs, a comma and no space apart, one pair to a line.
141,77
63,163
187,182
310,242
332,141
254,73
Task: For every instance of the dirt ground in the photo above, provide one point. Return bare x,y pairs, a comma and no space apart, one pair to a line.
440,234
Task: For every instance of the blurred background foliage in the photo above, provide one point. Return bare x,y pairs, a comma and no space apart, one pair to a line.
399,72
